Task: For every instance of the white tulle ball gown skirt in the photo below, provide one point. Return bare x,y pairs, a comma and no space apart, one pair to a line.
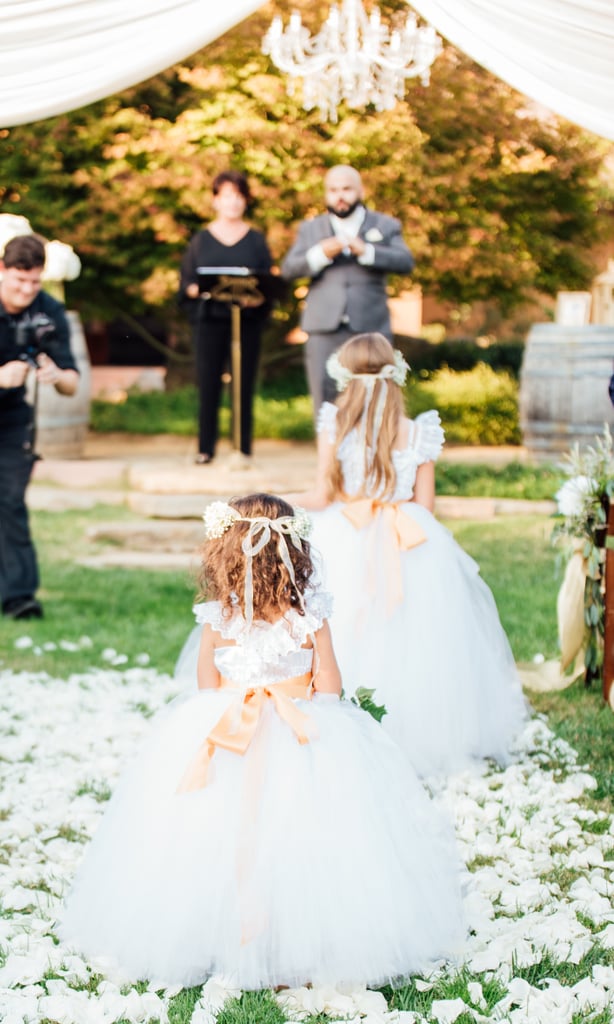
439,660
319,862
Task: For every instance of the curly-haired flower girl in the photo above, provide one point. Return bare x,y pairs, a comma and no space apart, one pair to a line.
411,616
267,831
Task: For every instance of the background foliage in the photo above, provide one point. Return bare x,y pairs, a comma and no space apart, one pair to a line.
496,201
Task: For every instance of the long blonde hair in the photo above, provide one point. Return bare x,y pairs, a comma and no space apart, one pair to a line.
368,354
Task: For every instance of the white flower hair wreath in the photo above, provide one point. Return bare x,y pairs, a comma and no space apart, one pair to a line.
219,516
396,372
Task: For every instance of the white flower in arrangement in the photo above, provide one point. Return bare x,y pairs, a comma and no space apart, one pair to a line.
12,225
218,517
571,496
401,368
337,372
61,262
302,522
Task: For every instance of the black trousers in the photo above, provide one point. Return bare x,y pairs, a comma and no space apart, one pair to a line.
18,565
212,340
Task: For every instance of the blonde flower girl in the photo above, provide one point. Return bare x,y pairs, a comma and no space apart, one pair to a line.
267,831
411,617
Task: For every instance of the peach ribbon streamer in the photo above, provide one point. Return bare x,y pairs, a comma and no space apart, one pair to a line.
401,533
237,727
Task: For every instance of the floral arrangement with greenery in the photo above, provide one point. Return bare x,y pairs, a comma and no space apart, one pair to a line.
583,506
61,261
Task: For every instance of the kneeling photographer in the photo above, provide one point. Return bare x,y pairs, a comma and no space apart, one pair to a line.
34,337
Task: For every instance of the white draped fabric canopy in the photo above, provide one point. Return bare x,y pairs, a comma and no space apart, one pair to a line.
58,55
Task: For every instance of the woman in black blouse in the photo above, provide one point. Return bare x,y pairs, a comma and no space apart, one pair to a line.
228,241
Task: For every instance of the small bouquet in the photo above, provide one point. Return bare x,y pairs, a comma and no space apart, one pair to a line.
61,261
583,507
363,698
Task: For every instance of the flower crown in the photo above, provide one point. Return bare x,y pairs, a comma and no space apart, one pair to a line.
396,372
219,516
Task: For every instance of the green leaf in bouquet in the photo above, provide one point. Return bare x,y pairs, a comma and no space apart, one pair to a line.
363,698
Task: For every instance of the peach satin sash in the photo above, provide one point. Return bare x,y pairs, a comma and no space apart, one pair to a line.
401,533
237,727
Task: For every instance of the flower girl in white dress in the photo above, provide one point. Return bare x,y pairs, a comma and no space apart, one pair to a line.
267,831
411,615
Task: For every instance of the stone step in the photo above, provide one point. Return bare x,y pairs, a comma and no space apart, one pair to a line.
224,477
191,506
60,499
153,535
172,561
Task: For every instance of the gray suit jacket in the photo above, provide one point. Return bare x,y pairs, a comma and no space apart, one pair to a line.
347,292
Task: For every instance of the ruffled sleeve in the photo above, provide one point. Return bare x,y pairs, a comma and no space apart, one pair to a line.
283,633
429,436
209,613
327,421
319,607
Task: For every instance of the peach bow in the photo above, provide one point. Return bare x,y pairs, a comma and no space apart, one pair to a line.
236,736
401,533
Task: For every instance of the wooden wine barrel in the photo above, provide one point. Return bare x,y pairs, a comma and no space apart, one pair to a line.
564,387
62,420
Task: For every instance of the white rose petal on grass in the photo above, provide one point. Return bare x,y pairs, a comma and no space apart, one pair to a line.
476,993
516,827
423,986
68,645
215,993
142,659
446,1011
23,642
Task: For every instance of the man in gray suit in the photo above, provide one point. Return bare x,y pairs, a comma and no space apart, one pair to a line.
347,254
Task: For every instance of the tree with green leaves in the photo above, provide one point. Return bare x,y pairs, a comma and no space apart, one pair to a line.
498,201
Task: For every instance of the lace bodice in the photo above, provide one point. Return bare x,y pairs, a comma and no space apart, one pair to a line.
268,652
424,444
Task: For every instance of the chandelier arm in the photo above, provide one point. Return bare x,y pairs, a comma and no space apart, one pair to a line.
354,58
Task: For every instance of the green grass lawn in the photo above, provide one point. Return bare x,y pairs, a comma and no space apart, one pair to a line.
515,480
137,612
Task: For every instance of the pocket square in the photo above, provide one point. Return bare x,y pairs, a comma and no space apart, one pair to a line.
374,235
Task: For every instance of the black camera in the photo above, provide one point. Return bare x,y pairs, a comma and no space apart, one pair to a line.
33,335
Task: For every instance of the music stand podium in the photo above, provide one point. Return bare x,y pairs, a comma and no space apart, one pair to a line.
238,288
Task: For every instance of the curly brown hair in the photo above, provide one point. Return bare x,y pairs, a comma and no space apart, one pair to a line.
222,573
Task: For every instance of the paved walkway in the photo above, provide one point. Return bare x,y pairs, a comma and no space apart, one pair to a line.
156,476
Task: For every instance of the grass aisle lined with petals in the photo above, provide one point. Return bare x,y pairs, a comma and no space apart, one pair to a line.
537,838
539,875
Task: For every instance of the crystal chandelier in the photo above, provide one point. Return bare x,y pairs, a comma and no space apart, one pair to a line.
354,58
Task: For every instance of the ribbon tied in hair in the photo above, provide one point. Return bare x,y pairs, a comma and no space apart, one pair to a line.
257,538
